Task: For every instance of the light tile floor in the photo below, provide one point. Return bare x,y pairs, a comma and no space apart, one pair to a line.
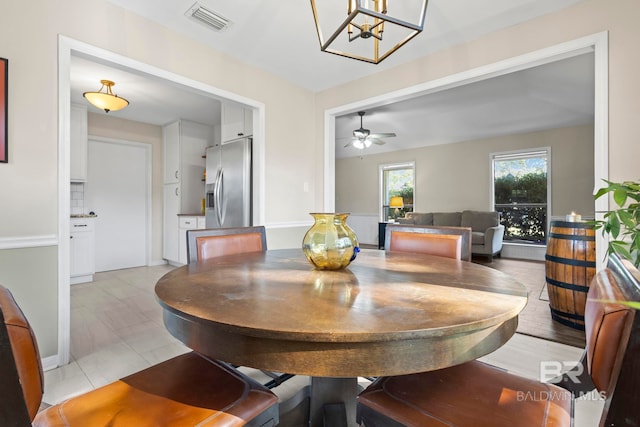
117,329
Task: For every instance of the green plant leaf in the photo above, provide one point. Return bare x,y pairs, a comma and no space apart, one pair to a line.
619,247
633,185
601,192
627,218
613,226
622,225
620,196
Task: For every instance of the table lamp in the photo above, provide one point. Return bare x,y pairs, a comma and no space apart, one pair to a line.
397,203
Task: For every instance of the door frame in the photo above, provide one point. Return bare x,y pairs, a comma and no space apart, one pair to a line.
68,47
598,44
148,185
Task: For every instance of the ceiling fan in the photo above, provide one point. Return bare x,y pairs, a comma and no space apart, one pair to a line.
363,138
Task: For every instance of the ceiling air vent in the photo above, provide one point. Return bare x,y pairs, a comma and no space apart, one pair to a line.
207,17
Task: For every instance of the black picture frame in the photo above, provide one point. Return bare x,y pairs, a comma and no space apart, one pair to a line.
4,110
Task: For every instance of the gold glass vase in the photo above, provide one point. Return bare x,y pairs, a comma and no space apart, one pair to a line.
330,244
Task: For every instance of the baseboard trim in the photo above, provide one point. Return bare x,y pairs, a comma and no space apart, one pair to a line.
526,252
49,363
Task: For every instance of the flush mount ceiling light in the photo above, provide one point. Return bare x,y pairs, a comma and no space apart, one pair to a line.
106,101
368,33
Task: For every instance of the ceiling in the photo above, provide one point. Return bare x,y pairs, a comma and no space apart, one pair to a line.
552,95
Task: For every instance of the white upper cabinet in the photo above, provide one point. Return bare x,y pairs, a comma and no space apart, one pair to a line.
185,144
171,152
78,143
237,121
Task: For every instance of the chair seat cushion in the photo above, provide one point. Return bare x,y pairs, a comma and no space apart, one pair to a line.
473,394
187,390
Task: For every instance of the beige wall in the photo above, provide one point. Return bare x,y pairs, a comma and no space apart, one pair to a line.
111,127
454,177
28,183
28,273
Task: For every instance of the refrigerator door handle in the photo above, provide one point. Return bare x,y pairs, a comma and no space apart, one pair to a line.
221,208
217,195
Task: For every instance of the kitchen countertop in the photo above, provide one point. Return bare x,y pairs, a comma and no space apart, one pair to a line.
198,214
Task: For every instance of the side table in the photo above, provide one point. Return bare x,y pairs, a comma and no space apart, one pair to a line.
382,230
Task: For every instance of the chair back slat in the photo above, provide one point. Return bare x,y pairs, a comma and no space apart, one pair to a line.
215,242
464,232
607,328
215,246
445,245
622,385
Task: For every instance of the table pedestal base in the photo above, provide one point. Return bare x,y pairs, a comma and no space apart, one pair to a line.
327,402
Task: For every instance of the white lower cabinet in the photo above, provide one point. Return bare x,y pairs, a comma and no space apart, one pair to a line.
82,250
187,223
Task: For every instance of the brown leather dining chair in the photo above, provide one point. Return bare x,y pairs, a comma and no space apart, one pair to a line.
445,245
187,390
215,242
475,394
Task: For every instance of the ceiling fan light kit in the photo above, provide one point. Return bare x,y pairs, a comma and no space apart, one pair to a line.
363,138
362,144
368,33
106,100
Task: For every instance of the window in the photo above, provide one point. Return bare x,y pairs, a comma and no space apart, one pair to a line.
396,183
521,182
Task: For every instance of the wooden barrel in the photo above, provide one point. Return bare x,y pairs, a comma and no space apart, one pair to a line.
570,264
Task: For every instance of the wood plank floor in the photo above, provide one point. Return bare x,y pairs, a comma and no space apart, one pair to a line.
535,319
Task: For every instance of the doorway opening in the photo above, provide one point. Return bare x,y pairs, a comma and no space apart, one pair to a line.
67,48
596,44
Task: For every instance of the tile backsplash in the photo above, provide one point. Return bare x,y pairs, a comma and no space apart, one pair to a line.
77,198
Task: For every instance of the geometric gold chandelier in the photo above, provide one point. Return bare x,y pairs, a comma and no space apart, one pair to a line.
368,33
106,101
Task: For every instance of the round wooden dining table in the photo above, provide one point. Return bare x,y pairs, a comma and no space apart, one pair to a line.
385,314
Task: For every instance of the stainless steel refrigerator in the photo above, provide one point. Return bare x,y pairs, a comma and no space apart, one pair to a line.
228,184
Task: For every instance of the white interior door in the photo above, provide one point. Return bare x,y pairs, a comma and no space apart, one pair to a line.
117,191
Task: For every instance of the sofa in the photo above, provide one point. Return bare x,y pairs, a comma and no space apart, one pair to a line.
486,230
